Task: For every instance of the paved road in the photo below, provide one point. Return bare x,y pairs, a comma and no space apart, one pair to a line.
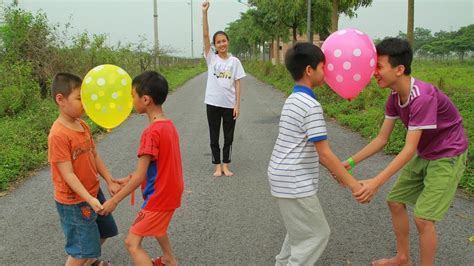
228,220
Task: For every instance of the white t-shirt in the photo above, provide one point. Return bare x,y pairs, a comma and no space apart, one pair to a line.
221,77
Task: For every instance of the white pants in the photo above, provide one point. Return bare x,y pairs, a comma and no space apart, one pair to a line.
307,231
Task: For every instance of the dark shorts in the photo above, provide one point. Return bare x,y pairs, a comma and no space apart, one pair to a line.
83,228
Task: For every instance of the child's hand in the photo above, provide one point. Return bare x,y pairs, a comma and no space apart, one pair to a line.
368,190
205,5
122,181
108,207
95,204
346,165
236,112
114,187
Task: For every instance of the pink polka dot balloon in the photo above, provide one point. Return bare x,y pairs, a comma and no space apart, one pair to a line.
350,62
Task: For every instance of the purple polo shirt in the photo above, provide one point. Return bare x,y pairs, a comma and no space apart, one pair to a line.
432,111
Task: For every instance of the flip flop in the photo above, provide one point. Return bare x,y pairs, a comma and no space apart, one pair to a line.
158,261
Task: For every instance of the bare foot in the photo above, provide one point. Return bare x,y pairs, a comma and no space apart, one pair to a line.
226,170
395,261
218,171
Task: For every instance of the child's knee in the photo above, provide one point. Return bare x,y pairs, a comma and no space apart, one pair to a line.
423,224
131,246
396,207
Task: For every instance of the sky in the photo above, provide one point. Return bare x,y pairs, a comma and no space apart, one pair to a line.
126,20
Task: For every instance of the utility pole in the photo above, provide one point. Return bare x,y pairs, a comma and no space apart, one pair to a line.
192,31
157,46
308,32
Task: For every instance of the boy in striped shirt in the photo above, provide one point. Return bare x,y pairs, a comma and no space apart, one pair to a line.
293,170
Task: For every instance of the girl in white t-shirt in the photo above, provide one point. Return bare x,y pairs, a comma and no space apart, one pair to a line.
222,94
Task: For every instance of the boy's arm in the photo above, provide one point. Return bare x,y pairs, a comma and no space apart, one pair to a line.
112,185
67,172
332,163
370,186
237,99
136,179
376,144
205,28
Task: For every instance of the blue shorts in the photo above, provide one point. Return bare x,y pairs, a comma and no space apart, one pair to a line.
83,228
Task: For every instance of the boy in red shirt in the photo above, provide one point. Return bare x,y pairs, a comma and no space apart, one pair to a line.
159,172
75,169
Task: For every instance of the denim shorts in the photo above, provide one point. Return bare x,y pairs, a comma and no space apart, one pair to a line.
83,228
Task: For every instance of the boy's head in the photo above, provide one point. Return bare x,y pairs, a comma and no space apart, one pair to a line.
394,57
66,92
150,87
305,60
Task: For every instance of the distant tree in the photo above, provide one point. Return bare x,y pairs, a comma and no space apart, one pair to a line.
463,41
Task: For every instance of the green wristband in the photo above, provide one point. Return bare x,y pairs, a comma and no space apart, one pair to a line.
352,164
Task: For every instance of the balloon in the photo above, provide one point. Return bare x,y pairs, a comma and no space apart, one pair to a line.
106,95
350,62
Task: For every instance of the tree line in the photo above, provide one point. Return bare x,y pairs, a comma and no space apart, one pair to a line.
267,21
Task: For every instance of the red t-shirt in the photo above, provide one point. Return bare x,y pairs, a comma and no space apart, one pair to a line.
65,144
163,186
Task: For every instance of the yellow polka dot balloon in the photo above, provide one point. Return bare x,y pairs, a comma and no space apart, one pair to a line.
106,95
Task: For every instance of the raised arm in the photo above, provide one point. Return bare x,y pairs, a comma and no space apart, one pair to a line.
205,27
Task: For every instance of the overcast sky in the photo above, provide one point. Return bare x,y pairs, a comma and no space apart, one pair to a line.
126,20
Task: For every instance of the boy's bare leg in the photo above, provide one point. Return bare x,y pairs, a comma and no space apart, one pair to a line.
226,170
136,251
168,256
401,227
428,241
218,170
75,262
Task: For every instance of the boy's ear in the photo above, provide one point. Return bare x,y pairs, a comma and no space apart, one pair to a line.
59,98
308,70
400,70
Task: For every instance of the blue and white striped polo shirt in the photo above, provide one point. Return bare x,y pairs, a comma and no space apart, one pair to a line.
293,170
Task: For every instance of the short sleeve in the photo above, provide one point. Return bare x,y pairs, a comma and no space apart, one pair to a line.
238,70
390,110
149,145
423,112
59,149
314,124
209,56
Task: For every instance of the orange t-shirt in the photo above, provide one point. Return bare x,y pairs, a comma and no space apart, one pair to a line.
65,144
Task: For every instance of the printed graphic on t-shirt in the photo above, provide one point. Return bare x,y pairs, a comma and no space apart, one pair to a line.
223,71
81,149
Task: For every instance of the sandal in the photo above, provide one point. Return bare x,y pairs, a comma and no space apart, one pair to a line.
158,261
100,262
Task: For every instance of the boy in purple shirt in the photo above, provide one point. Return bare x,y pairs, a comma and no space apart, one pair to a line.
432,160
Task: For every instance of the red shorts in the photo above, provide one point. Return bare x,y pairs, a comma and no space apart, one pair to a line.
151,223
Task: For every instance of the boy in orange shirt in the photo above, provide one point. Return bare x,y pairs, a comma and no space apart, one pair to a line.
75,166
159,171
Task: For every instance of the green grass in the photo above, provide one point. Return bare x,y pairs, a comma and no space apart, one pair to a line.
365,113
24,141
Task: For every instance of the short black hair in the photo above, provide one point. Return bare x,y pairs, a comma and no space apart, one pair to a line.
64,83
399,52
301,55
153,84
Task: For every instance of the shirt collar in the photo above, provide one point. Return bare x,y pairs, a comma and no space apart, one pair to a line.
304,89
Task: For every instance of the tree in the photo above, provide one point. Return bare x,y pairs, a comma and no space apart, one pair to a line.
28,38
347,7
463,41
